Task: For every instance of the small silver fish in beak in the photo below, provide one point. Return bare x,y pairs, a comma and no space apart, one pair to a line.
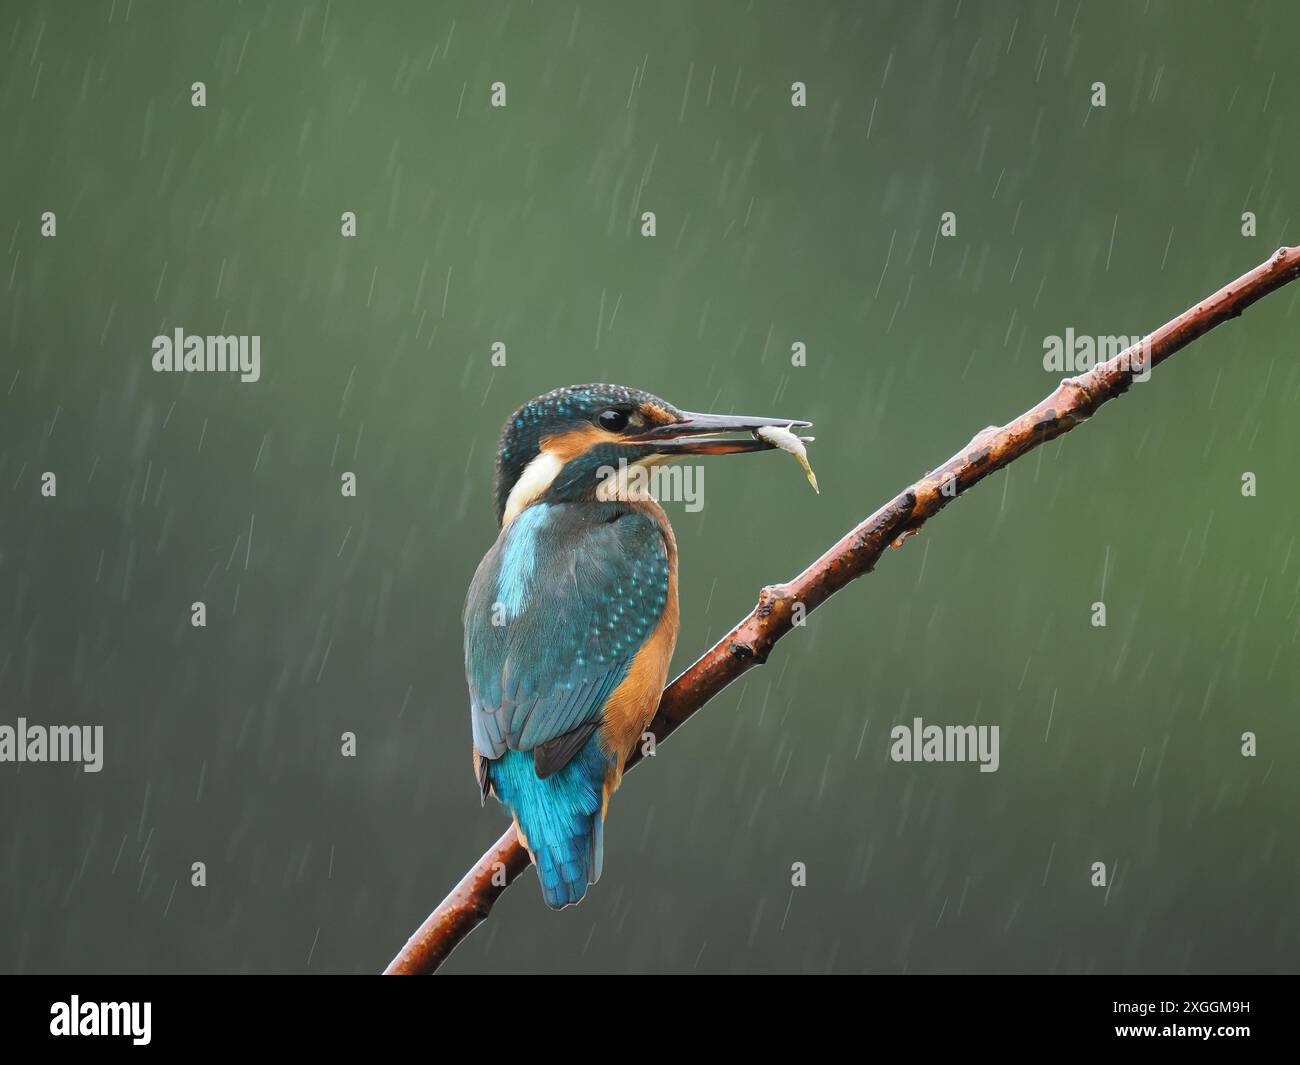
787,441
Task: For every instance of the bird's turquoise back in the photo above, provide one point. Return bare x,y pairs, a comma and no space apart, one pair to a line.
555,617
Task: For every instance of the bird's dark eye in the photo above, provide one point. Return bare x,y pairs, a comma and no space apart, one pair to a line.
615,421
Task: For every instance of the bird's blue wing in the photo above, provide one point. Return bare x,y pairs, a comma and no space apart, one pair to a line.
555,615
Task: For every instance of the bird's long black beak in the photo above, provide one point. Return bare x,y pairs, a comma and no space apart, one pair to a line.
699,434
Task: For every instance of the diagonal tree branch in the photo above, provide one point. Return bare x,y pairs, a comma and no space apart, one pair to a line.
751,641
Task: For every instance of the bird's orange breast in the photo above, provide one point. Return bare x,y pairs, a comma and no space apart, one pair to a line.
633,703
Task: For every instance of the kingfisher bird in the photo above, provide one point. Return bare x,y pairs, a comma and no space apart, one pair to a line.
571,618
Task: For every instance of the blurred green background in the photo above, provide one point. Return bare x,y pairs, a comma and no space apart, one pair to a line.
521,225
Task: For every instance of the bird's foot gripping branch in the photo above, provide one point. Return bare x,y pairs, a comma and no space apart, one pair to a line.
748,644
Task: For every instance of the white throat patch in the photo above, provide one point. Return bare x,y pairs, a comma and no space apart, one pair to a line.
532,484
629,481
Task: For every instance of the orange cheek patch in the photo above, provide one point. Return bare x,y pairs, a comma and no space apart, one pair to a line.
574,442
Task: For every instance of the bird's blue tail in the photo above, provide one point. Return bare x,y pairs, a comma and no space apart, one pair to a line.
560,817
